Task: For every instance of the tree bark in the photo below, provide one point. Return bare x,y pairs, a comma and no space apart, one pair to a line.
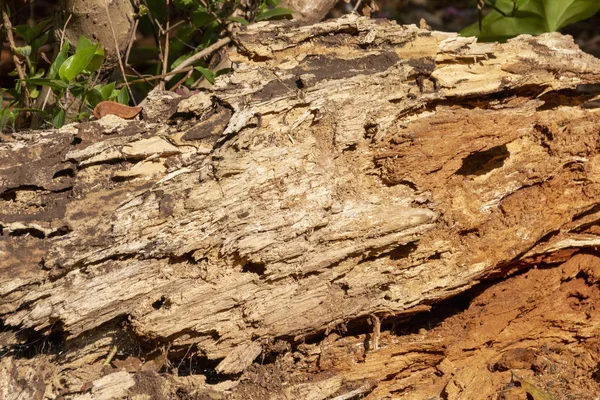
346,172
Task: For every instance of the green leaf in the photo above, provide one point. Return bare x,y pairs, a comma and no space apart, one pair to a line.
25,31
207,73
52,83
181,59
37,43
29,33
77,89
58,61
241,20
59,119
496,27
106,91
75,64
123,96
82,116
223,71
38,74
8,115
185,4
34,93
202,19
97,61
532,16
94,97
24,51
143,10
274,13
564,12
157,9
83,43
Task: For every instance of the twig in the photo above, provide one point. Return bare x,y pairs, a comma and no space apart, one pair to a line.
118,52
131,40
186,353
56,51
110,355
357,5
62,34
175,25
209,50
180,81
165,60
141,77
156,32
11,41
153,78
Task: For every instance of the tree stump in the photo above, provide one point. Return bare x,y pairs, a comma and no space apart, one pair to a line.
287,232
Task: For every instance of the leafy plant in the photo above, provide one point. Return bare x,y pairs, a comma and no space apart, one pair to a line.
21,95
71,80
205,22
510,18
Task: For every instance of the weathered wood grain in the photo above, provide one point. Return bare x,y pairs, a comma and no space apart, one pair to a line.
350,168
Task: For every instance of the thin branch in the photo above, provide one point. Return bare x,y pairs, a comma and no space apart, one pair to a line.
153,78
180,81
11,41
56,50
131,40
141,77
176,25
165,60
118,52
209,50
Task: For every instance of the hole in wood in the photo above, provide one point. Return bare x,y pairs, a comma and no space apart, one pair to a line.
69,172
36,233
62,231
482,162
162,302
255,268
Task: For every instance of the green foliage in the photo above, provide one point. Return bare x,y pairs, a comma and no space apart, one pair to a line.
70,78
74,86
74,73
530,16
208,19
274,13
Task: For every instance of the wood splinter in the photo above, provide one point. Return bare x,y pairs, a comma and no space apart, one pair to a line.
374,342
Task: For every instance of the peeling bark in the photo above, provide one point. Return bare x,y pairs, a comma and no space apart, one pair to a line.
346,170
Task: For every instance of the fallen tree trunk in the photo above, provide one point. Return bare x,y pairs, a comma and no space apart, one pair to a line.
346,172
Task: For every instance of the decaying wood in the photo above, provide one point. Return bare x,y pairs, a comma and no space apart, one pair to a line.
346,170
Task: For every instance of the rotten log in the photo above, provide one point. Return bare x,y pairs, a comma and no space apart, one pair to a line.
348,171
